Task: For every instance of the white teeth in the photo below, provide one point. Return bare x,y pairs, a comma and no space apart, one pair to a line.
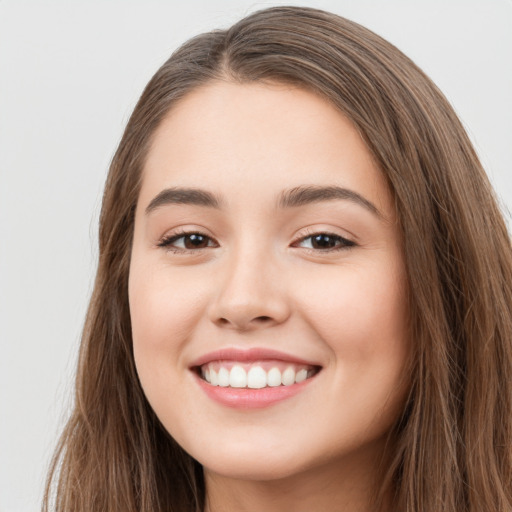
288,377
256,378
274,377
223,377
237,377
301,375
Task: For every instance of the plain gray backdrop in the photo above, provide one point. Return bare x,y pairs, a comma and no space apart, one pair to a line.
70,73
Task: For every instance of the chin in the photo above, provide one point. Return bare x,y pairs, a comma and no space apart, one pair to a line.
254,468
268,459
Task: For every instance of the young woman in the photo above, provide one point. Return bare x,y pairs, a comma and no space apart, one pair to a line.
304,293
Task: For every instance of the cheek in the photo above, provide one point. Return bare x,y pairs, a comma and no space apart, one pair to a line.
361,315
164,311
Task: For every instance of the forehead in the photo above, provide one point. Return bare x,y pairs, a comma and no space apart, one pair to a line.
248,141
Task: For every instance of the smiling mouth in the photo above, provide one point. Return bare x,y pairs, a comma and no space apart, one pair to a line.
255,375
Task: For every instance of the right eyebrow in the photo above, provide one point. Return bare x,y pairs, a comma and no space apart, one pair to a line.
179,195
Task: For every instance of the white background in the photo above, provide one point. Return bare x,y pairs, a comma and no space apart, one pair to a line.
70,73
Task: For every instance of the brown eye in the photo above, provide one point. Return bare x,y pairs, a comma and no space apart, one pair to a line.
187,241
195,241
325,242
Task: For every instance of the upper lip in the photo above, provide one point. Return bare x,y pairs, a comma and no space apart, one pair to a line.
249,355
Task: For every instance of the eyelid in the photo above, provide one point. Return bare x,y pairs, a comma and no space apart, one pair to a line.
166,241
347,243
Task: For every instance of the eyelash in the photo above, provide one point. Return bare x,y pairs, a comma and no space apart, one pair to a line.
345,243
167,242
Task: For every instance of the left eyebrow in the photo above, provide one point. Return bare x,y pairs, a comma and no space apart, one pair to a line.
307,194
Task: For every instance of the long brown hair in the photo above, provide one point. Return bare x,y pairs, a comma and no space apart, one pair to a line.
453,442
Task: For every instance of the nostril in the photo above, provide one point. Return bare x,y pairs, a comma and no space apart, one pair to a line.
262,319
244,324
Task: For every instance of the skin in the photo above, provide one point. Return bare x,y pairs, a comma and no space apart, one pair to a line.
259,281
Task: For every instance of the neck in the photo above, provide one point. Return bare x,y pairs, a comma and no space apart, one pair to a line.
348,485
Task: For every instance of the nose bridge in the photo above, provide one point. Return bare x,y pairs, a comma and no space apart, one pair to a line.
249,293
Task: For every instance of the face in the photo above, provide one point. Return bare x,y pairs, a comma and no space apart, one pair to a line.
267,285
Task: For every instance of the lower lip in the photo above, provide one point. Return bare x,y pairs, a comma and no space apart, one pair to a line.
246,398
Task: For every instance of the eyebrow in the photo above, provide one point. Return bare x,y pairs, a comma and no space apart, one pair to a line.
176,195
307,194
292,198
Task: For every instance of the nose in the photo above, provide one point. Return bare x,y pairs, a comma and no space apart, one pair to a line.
250,296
